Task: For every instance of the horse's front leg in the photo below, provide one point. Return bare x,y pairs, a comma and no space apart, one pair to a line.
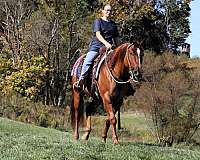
105,131
109,109
113,121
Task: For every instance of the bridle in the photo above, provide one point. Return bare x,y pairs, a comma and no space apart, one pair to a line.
133,72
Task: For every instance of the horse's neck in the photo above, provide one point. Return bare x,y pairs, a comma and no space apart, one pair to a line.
118,67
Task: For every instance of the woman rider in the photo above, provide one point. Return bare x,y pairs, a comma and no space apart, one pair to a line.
105,34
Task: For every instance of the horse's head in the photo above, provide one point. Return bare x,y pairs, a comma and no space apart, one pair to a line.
133,61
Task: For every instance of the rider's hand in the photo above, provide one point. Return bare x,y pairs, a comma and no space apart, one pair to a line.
108,45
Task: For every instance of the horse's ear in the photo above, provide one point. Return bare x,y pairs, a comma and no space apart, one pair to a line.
141,42
130,45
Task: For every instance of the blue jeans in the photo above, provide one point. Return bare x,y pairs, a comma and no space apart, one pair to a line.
90,57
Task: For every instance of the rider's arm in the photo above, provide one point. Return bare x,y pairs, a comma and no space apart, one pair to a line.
101,39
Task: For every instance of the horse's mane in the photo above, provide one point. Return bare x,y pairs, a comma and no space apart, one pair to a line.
118,52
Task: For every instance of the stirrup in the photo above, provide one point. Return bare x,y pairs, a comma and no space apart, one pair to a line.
78,84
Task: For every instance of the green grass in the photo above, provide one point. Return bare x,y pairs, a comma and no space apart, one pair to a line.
24,141
134,128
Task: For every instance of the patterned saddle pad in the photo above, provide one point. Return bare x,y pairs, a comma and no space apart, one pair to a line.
94,70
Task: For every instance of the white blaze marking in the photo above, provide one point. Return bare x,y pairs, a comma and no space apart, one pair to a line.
138,52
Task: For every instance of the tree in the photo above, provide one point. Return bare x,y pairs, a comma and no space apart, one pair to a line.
41,28
56,29
171,97
162,24
13,17
176,18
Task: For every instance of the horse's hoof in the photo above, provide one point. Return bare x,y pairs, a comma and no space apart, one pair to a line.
104,140
85,137
76,137
115,141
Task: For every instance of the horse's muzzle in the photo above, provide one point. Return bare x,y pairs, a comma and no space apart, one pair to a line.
135,75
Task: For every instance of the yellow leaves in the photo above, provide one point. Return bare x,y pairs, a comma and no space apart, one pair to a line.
27,80
144,11
5,65
5,89
31,91
122,11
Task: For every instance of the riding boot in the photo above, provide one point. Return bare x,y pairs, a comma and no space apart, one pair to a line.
80,83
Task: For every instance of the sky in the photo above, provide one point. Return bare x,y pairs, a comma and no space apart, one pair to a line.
194,37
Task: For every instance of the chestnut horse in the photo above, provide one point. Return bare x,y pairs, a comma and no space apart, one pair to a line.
120,66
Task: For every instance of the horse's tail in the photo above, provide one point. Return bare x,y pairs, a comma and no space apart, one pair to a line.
80,111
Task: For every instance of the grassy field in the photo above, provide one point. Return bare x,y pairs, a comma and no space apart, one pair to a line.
134,128
23,141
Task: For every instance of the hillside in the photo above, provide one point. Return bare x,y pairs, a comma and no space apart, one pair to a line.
24,141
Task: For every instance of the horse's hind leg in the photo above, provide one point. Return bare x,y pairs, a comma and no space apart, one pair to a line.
76,104
87,129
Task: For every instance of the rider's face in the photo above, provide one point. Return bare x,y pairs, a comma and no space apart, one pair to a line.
107,11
